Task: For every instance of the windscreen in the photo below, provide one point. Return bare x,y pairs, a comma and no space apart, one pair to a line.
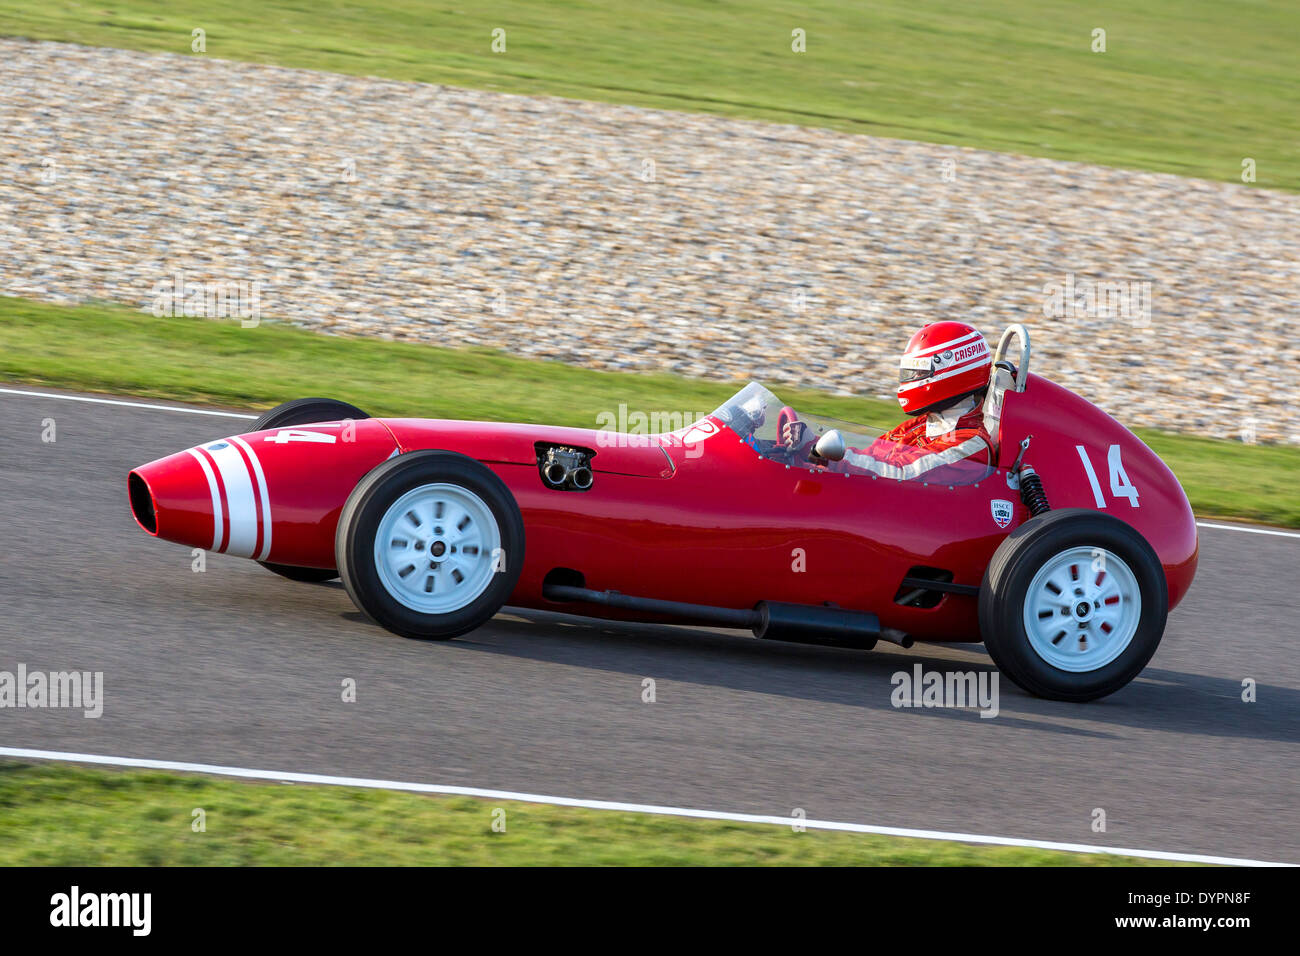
759,418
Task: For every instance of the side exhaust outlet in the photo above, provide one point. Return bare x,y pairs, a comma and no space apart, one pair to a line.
564,468
555,474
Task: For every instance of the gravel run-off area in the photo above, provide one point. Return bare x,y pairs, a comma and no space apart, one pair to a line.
626,238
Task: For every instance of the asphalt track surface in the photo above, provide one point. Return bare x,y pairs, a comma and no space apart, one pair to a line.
238,667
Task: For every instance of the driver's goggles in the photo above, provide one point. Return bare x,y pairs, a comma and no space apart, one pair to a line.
912,368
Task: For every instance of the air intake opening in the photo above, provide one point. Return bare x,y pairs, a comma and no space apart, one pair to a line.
142,503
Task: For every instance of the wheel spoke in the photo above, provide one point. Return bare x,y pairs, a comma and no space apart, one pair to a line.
432,545
409,524
451,515
1079,619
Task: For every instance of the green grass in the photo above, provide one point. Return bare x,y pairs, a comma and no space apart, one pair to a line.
1185,86
58,815
111,348
116,349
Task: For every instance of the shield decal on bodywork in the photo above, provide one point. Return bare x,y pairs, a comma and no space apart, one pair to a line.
1002,511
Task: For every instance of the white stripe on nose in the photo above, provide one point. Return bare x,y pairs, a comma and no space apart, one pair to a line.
216,498
266,498
240,503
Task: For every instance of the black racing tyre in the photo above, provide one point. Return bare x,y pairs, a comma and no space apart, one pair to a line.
1073,605
305,411
430,544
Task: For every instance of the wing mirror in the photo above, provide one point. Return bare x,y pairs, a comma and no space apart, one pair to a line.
830,446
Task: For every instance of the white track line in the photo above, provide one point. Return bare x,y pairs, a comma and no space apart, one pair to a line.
1237,527
332,781
111,401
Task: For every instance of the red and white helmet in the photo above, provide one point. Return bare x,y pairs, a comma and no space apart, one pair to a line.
944,360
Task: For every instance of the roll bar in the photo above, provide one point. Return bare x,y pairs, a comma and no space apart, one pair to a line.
1022,367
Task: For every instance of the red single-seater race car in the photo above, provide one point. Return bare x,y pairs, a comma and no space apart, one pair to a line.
1065,569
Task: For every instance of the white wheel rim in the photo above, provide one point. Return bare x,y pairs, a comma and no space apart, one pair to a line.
1082,609
435,548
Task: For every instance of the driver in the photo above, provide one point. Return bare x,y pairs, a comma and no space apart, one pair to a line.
943,376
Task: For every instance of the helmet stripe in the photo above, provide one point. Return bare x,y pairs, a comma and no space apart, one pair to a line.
950,344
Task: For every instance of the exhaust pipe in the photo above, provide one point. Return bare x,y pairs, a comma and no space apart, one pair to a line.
564,468
769,620
555,474
807,624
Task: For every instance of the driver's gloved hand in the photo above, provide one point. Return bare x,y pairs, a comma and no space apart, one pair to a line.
792,434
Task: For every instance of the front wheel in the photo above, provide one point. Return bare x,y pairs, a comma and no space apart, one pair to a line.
430,544
1073,605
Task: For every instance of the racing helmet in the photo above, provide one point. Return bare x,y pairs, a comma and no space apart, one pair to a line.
943,361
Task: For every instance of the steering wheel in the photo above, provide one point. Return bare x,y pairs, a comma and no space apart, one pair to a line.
783,418
786,416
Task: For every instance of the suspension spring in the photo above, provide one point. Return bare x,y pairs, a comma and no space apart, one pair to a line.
1032,493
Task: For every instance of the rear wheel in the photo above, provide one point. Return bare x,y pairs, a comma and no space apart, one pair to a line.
1073,605
430,544
305,411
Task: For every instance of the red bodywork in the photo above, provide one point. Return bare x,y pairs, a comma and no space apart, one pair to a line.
710,522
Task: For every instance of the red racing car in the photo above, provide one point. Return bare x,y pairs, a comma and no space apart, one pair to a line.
1065,569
